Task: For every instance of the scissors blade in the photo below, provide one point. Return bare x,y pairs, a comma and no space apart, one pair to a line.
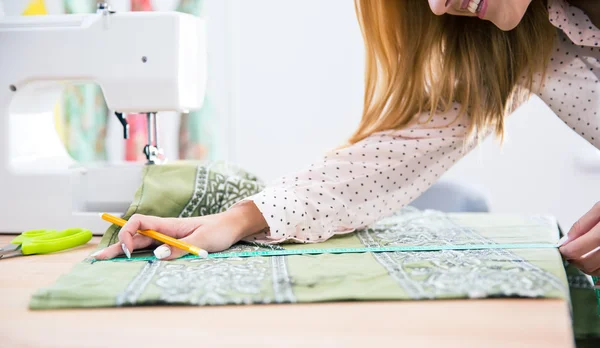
9,248
6,255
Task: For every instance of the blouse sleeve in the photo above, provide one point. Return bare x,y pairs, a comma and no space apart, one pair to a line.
353,187
571,88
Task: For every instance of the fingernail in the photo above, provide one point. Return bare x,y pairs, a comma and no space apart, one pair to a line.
562,241
162,252
125,250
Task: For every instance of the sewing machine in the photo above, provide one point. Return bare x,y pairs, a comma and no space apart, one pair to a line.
145,62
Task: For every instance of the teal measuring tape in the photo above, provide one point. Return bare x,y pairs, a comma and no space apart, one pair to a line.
287,252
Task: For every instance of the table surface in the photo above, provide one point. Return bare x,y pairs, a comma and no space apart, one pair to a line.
458,323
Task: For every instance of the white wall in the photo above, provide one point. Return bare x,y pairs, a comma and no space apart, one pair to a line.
297,81
296,77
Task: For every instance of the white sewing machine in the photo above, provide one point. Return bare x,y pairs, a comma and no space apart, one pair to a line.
145,62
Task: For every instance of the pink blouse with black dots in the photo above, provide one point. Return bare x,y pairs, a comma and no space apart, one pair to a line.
358,185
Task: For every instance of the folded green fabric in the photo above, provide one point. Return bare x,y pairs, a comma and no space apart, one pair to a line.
191,189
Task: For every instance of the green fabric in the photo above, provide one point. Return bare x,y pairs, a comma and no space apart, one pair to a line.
586,320
191,189
596,280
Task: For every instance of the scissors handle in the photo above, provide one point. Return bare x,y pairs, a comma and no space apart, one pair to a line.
29,235
52,241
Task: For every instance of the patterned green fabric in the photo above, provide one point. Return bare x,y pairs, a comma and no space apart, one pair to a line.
191,189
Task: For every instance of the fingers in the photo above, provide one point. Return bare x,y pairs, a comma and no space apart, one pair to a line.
135,223
180,228
582,245
584,224
116,249
127,232
590,264
198,239
174,227
584,250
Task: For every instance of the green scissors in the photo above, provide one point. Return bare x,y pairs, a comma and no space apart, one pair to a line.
45,241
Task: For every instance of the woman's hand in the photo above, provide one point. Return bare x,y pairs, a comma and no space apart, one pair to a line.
581,246
212,233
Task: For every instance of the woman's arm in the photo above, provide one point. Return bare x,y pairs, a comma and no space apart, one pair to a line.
572,91
345,190
571,87
352,187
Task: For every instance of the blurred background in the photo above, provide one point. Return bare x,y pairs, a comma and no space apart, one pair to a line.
285,84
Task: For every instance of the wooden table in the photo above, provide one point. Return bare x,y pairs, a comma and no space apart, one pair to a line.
473,323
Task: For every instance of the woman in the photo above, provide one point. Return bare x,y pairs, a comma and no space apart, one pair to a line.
439,76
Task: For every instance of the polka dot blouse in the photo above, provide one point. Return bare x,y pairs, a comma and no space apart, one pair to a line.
354,187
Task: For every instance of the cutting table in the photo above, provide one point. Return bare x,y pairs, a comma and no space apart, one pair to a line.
458,323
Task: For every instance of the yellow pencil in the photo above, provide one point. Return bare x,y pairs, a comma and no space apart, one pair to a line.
160,237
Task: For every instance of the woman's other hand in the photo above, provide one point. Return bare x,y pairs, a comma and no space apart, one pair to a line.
581,246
